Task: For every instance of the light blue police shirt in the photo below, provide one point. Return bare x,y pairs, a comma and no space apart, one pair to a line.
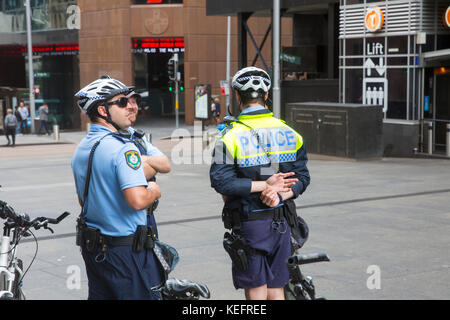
251,109
151,149
116,166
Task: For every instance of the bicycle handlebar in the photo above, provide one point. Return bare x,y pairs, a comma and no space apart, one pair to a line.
306,258
23,220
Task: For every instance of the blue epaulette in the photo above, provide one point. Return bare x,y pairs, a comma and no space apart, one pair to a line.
123,136
227,127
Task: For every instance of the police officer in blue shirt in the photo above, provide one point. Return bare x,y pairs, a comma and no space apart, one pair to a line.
114,194
259,166
153,159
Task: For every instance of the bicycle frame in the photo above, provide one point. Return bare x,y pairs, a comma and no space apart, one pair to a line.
10,271
301,287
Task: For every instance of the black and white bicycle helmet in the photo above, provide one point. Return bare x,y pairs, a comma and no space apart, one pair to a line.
251,79
100,90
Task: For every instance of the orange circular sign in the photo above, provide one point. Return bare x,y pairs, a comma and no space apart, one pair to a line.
374,19
446,17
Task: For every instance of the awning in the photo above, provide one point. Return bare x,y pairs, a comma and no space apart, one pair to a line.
436,58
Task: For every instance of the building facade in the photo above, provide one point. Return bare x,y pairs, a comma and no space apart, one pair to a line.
133,41
75,42
397,54
55,57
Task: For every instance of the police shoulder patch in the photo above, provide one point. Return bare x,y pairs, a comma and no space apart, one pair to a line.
133,159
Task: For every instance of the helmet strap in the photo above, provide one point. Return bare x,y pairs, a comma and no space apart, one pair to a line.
108,119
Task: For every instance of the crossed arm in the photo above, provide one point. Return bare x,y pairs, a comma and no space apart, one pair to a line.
154,164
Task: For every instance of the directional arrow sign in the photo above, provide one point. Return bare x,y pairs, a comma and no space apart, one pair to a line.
380,68
369,64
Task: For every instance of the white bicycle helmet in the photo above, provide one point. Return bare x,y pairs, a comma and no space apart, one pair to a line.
100,90
251,78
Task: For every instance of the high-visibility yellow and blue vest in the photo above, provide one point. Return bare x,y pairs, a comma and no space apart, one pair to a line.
252,149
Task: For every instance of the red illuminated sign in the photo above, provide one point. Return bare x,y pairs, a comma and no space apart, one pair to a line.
43,49
157,45
154,1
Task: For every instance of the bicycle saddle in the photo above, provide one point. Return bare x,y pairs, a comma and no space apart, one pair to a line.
175,289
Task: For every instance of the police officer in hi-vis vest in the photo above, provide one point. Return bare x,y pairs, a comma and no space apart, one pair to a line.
258,164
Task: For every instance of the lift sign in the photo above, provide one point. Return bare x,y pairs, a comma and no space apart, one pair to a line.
374,19
446,17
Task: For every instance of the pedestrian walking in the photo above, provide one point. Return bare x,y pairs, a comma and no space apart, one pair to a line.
10,124
43,117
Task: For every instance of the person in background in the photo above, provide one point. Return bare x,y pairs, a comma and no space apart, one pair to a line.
216,112
10,125
23,110
43,116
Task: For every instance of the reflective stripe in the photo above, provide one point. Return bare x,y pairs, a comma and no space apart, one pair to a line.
262,159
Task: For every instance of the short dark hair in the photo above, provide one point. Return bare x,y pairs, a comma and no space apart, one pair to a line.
93,111
247,97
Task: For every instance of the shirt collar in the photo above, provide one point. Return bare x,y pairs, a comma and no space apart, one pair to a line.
99,128
251,109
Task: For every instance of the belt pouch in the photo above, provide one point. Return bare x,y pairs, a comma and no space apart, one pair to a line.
140,237
290,213
91,238
227,218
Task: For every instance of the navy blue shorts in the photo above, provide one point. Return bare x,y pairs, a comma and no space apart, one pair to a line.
123,275
267,269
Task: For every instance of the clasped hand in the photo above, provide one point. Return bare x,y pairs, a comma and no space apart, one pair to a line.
279,183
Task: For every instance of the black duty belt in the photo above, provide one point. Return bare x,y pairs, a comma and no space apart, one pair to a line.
118,241
265,214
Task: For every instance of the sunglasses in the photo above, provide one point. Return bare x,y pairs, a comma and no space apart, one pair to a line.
121,102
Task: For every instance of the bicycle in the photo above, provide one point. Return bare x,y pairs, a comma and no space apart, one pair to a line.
301,287
174,289
15,228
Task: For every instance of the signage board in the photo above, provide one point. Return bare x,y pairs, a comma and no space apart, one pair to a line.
374,19
202,96
446,18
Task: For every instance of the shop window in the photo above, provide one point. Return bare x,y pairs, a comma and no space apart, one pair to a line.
157,1
353,85
398,45
397,79
357,62
45,15
443,41
354,47
400,61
